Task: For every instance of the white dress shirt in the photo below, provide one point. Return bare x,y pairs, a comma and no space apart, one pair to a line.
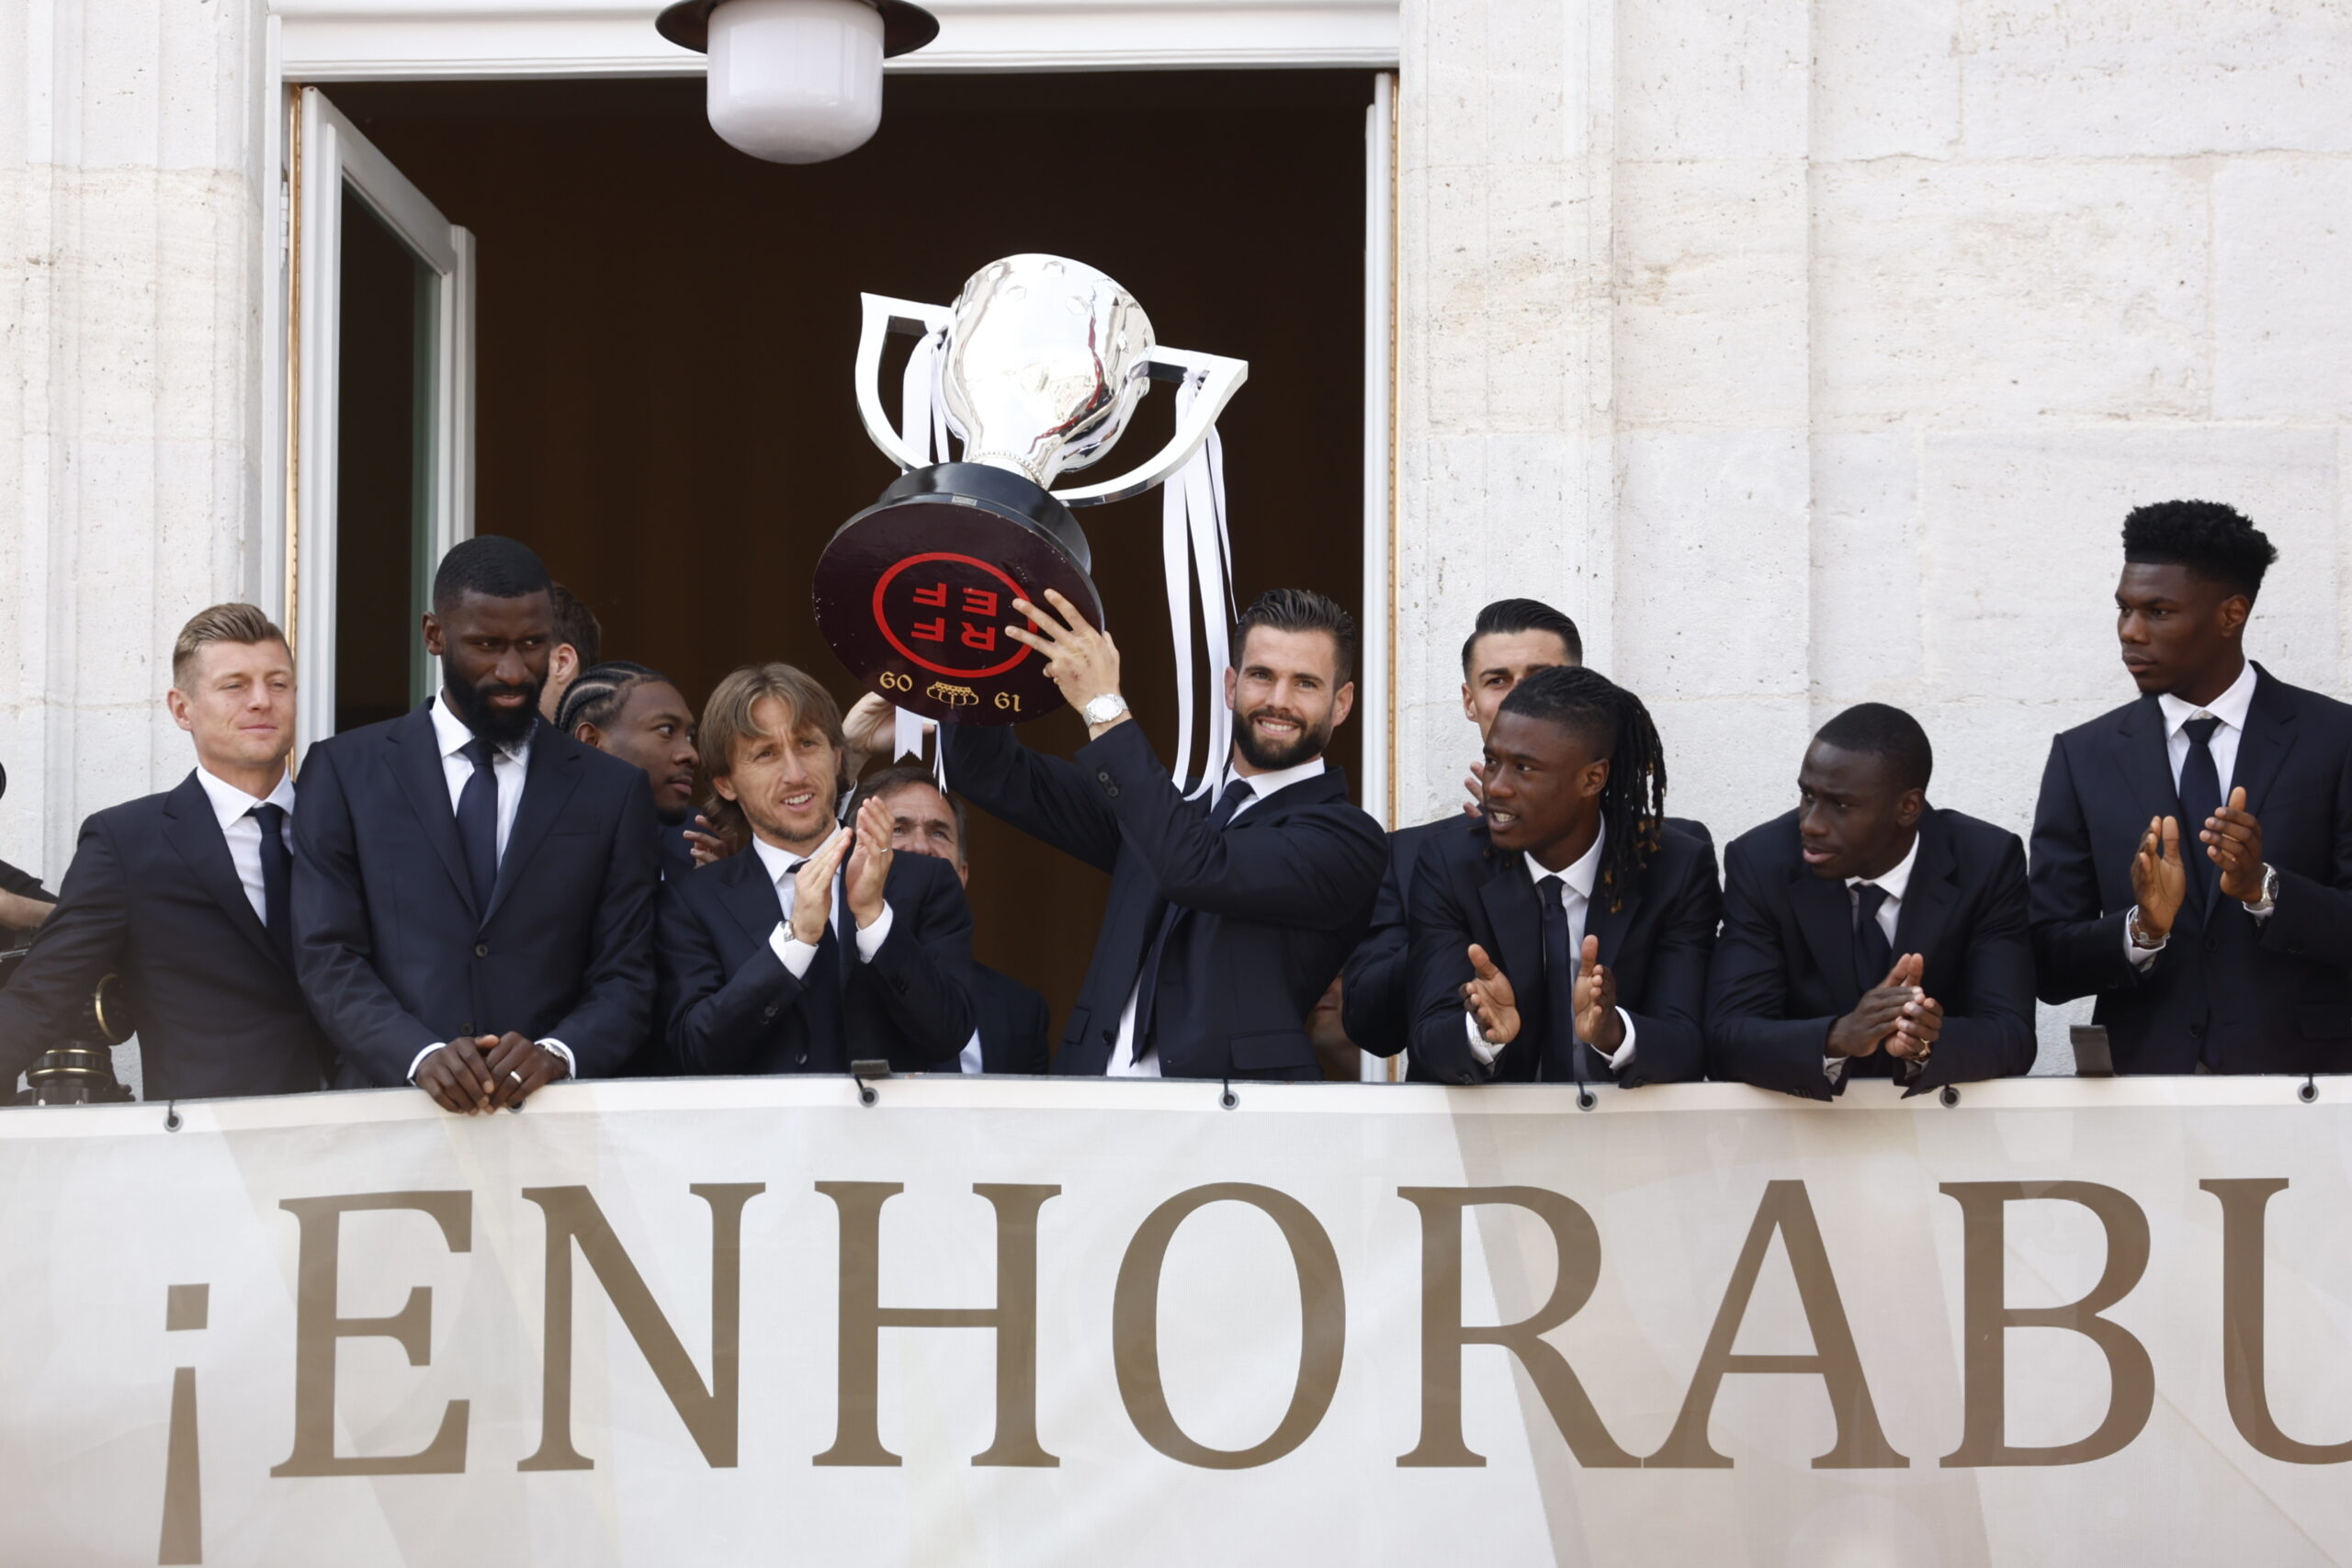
1576,898
233,808
1262,786
2229,707
1896,883
508,766
797,955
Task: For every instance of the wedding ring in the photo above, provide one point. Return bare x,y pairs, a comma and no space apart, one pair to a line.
513,1076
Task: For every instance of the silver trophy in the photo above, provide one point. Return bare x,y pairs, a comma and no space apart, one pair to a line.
1039,365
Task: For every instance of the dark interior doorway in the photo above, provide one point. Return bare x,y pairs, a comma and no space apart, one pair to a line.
665,330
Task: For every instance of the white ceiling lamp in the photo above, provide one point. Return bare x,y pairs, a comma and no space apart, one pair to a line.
797,81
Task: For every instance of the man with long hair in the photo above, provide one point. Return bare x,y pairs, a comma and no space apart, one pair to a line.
1565,938
811,946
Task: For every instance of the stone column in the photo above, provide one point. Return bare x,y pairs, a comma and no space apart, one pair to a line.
129,375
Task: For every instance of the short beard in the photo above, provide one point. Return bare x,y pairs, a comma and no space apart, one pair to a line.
1269,759
472,703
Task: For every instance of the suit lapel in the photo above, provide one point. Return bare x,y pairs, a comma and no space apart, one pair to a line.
1508,896
1826,916
416,758
2145,764
1932,895
195,833
748,894
2269,736
548,779
1611,925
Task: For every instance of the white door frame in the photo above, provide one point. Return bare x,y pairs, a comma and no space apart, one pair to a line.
329,154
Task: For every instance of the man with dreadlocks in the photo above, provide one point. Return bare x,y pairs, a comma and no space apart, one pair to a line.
1565,937
1869,934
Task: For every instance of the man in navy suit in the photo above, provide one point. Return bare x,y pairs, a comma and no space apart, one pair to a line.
184,896
1510,640
2192,850
1869,934
1225,922
1564,937
475,910
811,945
1016,1027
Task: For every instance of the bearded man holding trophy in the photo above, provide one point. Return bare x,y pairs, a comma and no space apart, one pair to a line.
963,597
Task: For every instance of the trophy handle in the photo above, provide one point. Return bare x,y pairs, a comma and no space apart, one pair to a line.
883,316
1224,378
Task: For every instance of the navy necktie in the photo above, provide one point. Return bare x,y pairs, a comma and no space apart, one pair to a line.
1874,954
1237,795
1558,1057
478,823
2200,797
277,879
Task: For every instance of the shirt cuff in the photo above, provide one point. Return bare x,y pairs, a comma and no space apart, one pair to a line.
1478,1045
2140,957
419,1060
1622,1056
795,954
570,1068
871,938
1833,1067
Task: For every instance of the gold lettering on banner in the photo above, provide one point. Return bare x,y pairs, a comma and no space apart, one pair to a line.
709,1413
1986,1321
318,1329
2243,1377
857,1432
1134,1326
1862,1443
1576,1245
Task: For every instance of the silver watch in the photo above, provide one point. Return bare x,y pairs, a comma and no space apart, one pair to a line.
2270,899
1104,708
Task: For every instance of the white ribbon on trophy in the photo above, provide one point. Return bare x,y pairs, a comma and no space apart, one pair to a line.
1193,525
923,425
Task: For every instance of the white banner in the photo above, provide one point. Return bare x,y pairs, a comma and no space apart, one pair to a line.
1024,1322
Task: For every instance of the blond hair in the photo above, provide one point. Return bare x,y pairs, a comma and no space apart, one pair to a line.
222,623
727,721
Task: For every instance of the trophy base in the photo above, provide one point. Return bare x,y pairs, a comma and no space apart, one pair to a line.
914,593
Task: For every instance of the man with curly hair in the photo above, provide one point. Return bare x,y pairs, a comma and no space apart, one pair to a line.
2192,850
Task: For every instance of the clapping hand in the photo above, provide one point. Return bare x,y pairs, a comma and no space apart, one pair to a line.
1598,1023
1881,1011
2159,880
2233,839
812,889
1490,999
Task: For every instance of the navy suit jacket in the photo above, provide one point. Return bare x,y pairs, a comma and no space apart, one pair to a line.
1016,1027
734,1008
1376,992
1267,910
1784,965
2236,994
393,952
1657,939
153,897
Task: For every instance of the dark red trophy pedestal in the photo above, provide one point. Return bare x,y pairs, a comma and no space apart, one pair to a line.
914,593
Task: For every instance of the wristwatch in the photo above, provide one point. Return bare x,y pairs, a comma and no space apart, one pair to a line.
2270,900
1104,708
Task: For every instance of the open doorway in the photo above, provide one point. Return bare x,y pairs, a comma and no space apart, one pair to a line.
664,331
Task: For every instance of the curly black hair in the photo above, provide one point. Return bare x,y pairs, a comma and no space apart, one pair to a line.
2216,542
1613,721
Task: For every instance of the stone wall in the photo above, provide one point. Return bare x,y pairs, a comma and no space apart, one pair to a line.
1811,354
130,384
